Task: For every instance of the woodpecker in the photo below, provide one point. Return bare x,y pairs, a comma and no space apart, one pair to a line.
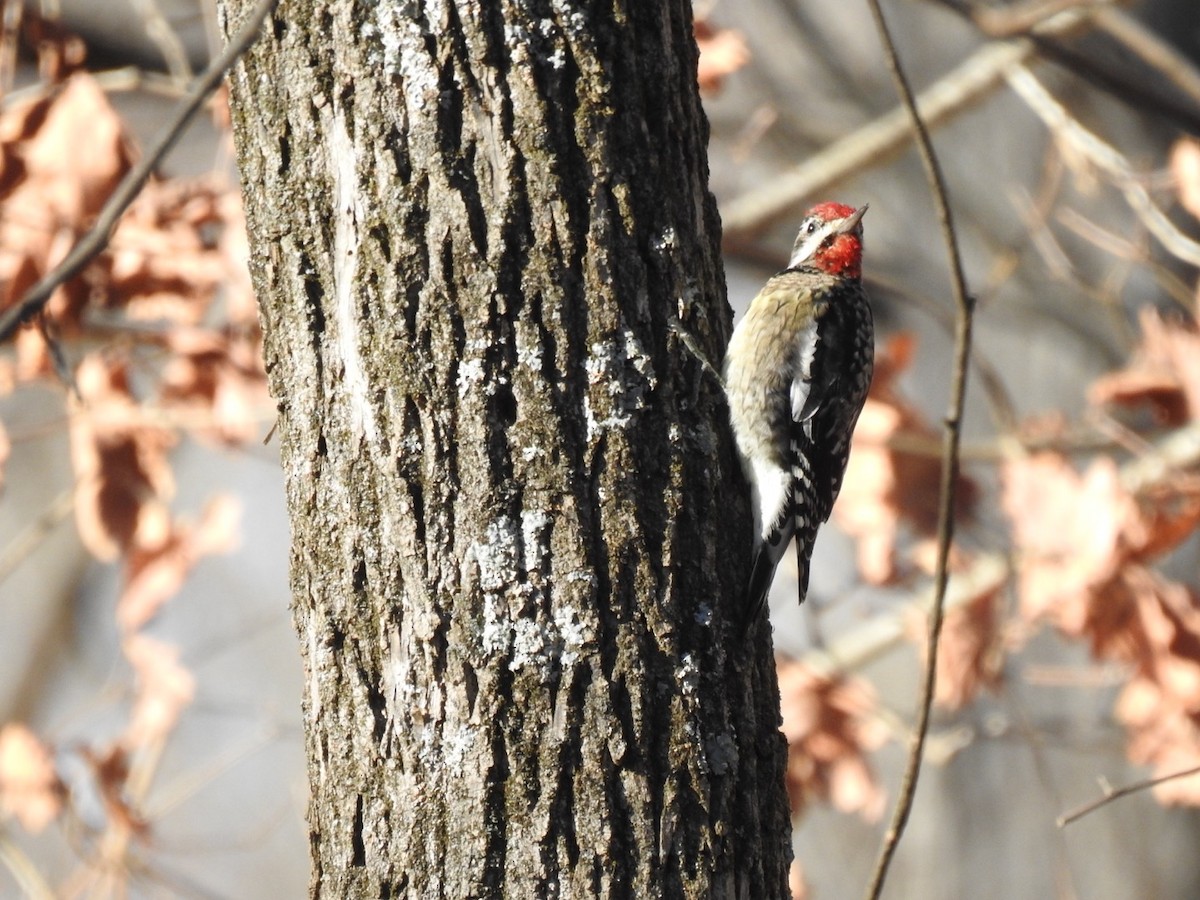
796,375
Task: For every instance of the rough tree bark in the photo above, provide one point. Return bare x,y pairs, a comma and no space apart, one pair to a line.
518,538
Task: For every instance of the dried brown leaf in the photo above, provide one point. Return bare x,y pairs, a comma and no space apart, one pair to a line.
164,690
1084,542
159,563
63,157
30,789
162,263
830,727
1185,167
867,507
218,376
722,52
1085,545
886,488
1068,530
1161,735
969,651
122,472
73,185
1163,374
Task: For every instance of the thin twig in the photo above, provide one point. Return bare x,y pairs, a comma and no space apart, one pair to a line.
1153,49
10,29
955,92
951,437
119,80
1122,82
1017,18
159,30
693,348
1080,144
32,536
23,871
93,243
1111,794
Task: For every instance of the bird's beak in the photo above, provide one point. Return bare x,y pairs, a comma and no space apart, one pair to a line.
851,221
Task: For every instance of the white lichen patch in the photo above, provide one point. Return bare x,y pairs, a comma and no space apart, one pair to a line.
529,351
687,676
456,745
516,38
640,359
623,372
497,555
531,646
571,19
400,39
532,452
535,533
496,632
472,370
573,634
541,41
664,240
470,376
503,560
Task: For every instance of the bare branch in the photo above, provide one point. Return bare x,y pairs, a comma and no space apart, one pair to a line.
1014,19
32,536
1080,144
93,243
952,436
1023,19
1153,50
159,30
978,75
1111,794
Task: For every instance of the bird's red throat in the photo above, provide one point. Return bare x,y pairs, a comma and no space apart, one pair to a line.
842,256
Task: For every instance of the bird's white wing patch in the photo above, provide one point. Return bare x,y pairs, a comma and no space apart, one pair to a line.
806,351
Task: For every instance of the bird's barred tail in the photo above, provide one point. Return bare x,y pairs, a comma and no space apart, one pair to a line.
807,507
762,571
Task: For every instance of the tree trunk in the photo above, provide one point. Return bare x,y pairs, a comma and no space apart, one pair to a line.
518,536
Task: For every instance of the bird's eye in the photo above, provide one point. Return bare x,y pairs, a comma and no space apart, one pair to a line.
810,227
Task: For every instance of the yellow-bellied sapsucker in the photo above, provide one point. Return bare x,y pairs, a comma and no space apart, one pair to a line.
796,374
